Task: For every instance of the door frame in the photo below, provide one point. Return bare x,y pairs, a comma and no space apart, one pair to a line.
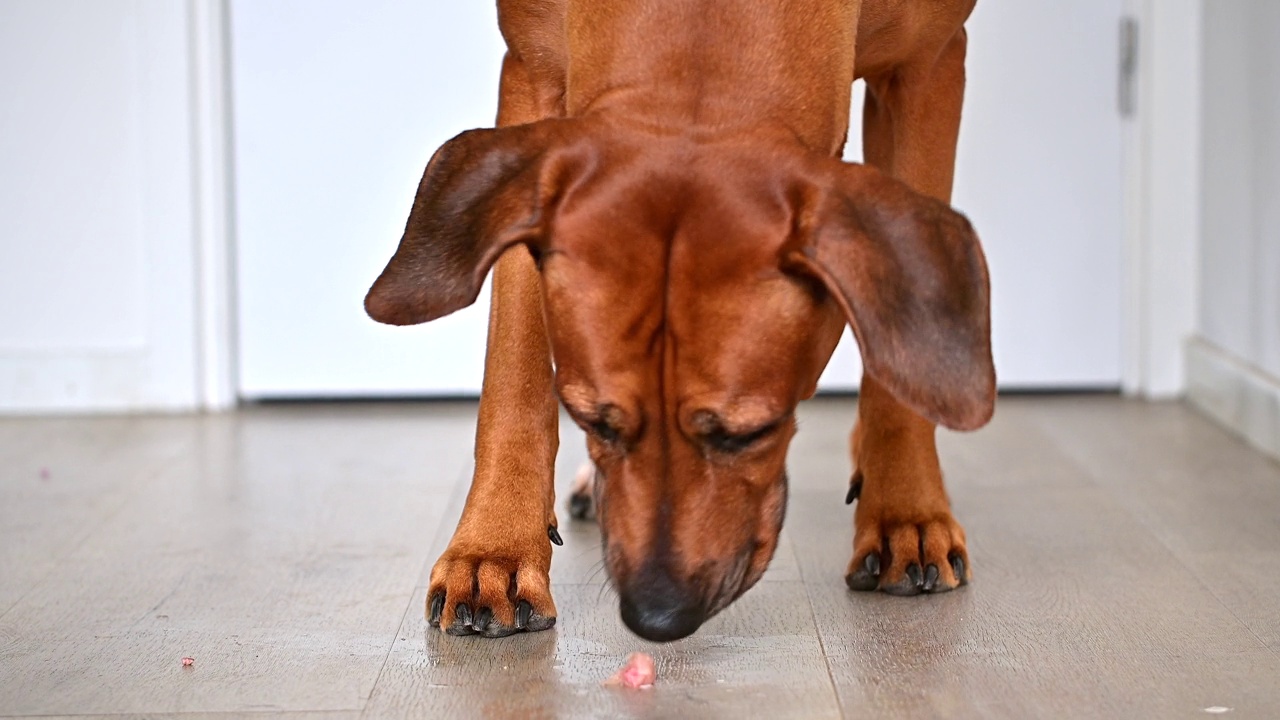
1161,175
1162,233
217,336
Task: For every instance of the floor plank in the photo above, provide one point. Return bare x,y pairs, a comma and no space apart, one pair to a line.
321,715
1247,585
759,658
1071,600
60,478
278,552
1195,486
1125,558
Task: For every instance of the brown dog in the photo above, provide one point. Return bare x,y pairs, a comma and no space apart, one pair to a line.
677,251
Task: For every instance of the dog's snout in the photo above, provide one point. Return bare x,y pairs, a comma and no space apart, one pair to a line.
660,608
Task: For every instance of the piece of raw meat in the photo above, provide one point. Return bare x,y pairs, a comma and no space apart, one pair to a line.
638,674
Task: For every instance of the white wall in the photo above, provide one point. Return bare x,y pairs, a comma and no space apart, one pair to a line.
1240,257
1236,359
98,214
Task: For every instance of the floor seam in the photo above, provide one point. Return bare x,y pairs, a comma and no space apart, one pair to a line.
435,541
391,647
1225,606
822,647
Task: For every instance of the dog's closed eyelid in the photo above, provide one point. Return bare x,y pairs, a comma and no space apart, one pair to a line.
721,440
604,431
750,438
606,422
705,421
589,421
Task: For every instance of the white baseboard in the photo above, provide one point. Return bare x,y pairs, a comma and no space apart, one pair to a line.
1236,394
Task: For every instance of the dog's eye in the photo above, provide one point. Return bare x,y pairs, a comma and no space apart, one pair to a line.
603,431
722,441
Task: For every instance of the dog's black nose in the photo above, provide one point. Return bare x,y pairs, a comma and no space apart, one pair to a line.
656,607
661,621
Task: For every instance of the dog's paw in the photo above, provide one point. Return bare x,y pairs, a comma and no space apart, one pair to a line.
908,557
492,592
582,496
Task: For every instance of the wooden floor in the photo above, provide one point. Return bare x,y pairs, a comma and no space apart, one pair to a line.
1126,559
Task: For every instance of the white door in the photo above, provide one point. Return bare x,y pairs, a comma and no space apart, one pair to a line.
97,207
339,104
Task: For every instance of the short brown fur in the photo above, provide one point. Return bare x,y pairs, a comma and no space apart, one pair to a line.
667,220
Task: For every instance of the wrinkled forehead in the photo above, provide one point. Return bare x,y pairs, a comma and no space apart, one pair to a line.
689,258
665,240
679,211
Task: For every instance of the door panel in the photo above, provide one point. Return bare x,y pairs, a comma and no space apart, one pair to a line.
338,106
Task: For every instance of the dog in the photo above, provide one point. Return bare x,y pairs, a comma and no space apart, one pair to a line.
676,248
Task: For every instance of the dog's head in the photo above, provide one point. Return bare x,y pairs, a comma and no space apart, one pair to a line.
693,292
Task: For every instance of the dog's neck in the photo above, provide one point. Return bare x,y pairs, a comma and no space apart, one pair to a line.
716,66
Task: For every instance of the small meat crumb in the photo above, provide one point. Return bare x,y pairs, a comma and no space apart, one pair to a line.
188,661
638,674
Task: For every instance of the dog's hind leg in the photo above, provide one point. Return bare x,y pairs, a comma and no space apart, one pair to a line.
493,580
582,495
905,538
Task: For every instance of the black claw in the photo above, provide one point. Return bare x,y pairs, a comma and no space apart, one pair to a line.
909,584
580,507
524,611
930,578
855,489
554,535
484,616
957,566
867,577
437,608
873,564
914,574
463,614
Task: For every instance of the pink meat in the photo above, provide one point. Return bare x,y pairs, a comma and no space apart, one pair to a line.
638,673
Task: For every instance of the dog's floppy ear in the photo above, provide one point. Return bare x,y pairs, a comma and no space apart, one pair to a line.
911,278
482,192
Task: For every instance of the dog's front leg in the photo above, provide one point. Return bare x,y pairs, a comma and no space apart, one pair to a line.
493,579
906,540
